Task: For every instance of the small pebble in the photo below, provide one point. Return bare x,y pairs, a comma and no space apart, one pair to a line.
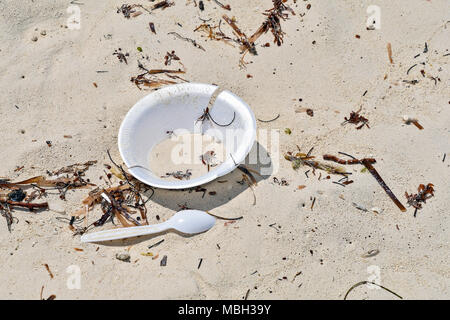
43,33
34,39
123,256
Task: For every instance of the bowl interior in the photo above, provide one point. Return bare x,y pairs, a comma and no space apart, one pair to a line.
177,108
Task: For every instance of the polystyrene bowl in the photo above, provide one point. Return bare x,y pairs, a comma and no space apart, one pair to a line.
179,107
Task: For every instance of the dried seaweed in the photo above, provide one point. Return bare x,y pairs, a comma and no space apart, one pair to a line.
194,43
169,57
299,159
370,282
48,270
246,45
180,175
416,199
272,23
150,80
356,118
76,169
73,180
121,56
223,6
212,33
207,116
126,10
249,179
141,79
367,162
121,202
163,5
273,20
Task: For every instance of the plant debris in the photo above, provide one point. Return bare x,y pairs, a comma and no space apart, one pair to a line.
121,56
424,193
48,270
273,20
121,202
299,159
226,6
248,178
127,10
194,43
356,118
163,5
212,33
367,162
169,57
51,297
207,116
151,79
389,50
281,182
180,175
408,120
370,282
17,197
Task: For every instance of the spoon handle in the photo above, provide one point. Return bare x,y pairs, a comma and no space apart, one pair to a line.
122,233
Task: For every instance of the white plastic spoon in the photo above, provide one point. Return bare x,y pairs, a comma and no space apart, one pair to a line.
185,221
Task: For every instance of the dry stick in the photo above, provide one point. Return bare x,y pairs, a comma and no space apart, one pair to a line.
366,282
30,206
48,270
368,164
377,177
389,50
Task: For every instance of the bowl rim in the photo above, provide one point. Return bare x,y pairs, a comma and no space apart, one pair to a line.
221,170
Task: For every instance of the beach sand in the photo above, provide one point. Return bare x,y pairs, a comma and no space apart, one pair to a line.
281,249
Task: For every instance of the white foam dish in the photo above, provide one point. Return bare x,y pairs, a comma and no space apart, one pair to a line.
177,108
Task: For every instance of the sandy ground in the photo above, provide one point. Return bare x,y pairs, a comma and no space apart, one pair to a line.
281,249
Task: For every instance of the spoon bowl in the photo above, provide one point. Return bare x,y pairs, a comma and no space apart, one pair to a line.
185,221
192,221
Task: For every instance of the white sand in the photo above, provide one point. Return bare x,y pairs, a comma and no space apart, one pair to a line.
57,97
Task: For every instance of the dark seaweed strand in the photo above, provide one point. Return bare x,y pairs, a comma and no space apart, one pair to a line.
407,72
223,125
377,177
366,282
270,120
